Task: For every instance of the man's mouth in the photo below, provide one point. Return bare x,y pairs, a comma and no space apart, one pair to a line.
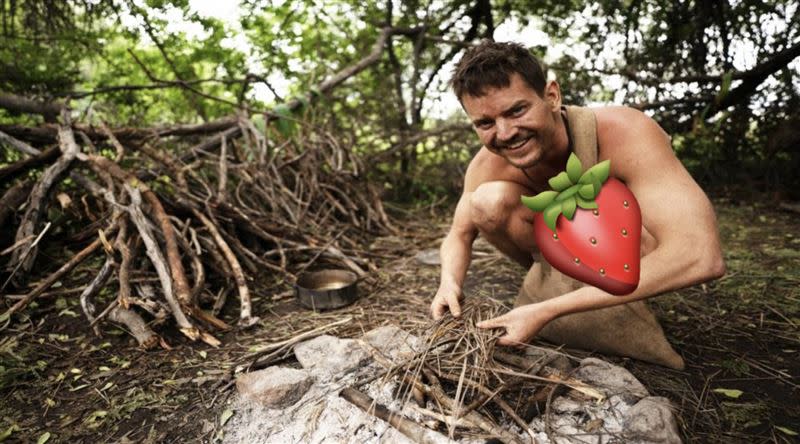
515,145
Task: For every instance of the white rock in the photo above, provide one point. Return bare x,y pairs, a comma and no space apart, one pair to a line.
391,342
274,387
652,420
609,378
330,356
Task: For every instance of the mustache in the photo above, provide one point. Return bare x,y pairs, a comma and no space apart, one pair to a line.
519,137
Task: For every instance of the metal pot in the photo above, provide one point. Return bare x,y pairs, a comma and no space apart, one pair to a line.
326,289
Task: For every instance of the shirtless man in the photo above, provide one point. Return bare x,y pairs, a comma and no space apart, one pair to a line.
518,117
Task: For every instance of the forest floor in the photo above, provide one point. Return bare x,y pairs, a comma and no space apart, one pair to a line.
739,336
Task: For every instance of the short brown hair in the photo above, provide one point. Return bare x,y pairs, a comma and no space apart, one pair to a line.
491,64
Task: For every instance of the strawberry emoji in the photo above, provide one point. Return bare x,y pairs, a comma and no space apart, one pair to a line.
589,227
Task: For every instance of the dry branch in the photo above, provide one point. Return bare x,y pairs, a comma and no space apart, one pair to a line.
245,315
144,335
157,258
18,144
19,104
409,428
25,257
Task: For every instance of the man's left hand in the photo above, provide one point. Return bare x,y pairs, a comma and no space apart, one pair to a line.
521,324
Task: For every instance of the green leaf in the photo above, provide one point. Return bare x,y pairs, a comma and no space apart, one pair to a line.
43,438
568,208
574,168
730,393
540,201
786,430
586,191
599,171
284,123
587,178
585,204
566,194
8,432
560,182
725,87
226,415
551,214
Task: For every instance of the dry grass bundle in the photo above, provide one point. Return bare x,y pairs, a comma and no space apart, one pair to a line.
470,389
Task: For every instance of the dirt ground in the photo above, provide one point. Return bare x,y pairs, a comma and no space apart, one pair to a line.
59,382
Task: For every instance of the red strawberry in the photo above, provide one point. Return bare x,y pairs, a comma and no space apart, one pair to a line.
589,230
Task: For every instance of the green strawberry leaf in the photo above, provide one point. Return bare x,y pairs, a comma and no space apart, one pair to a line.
560,182
597,187
587,178
551,214
574,168
586,191
568,208
585,204
540,201
566,194
600,171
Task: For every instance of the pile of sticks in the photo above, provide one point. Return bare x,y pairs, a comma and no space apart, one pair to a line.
241,206
462,385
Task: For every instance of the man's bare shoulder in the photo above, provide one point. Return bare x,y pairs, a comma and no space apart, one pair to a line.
486,166
631,139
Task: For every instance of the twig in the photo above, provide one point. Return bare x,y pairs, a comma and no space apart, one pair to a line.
92,289
409,428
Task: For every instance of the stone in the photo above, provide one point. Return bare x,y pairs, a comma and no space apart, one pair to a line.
330,356
428,257
610,379
391,342
651,420
274,387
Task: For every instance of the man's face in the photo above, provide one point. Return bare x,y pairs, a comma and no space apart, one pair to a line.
514,122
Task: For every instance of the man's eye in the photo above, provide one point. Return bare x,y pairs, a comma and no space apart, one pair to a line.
517,111
483,124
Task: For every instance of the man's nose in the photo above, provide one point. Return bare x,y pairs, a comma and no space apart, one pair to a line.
505,130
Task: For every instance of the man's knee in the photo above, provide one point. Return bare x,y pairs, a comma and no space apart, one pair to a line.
491,205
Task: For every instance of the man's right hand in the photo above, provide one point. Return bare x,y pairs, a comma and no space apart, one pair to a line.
446,297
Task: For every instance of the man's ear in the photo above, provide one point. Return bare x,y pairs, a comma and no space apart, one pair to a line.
552,94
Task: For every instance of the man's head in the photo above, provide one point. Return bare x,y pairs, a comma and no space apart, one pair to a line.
515,111
491,65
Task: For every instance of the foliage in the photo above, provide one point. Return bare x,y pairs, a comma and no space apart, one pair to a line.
682,61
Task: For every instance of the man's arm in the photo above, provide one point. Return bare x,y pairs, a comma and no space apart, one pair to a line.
674,210
455,254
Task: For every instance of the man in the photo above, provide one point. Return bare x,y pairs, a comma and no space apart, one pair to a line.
518,116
